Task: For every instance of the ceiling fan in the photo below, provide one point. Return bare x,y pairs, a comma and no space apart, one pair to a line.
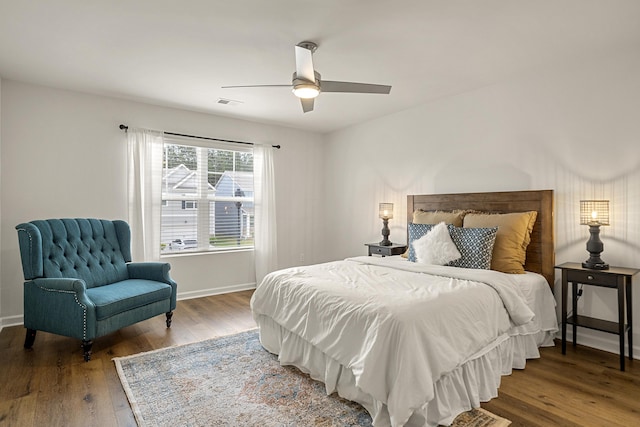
307,84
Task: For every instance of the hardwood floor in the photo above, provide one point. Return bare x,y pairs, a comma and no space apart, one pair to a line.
582,388
51,385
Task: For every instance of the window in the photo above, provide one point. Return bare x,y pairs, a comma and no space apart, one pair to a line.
207,196
189,204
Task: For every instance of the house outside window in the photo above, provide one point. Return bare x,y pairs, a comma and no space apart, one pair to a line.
207,196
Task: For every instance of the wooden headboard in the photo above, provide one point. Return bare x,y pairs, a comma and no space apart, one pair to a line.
540,252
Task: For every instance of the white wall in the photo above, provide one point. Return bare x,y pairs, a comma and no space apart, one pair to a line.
1,318
62,155
573,128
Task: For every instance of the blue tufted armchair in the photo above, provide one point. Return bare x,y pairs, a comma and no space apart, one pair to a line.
80,281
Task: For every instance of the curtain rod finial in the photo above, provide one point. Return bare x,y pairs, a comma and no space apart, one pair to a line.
124,127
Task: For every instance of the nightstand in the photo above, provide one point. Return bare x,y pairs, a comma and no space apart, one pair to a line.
619,278
394,249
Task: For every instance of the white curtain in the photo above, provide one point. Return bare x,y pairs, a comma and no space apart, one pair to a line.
266,245
144,165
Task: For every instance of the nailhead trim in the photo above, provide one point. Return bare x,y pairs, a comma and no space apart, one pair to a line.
75,296
30,243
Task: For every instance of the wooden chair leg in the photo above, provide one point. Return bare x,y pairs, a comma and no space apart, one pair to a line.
169,316
86,349
30,338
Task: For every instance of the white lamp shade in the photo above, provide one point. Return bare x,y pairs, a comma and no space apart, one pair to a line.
386,210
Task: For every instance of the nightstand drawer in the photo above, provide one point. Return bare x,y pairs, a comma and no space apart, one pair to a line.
592,278
393,249
380,251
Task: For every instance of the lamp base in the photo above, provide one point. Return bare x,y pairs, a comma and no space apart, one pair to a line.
595,247
385,242
385,233
595,265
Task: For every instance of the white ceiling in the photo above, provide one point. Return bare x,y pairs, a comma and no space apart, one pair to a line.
180,53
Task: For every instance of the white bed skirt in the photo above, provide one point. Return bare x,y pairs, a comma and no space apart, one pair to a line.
477,380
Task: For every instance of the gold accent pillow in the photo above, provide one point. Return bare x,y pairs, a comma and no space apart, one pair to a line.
514,235
436,217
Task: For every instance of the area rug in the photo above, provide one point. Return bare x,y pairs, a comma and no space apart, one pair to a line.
233,381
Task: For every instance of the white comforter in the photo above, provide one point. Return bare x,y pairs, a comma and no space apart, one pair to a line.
398,329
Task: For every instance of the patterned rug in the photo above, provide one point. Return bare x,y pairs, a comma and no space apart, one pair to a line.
233,381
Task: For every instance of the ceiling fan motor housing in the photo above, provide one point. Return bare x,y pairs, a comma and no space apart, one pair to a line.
304,88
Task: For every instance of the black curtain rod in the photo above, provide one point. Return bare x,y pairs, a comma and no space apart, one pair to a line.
125,127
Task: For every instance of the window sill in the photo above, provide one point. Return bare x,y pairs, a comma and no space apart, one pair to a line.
210,252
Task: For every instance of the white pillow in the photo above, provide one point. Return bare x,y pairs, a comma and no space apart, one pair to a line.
436,247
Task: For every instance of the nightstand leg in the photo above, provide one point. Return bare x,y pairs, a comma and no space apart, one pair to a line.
621,331
574,294
629,319
564,312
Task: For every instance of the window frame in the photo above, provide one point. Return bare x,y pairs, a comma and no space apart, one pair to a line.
202,198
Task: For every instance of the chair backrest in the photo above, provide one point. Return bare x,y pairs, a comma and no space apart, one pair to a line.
94,250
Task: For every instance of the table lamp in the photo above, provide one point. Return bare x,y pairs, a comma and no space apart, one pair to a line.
594,213
385,213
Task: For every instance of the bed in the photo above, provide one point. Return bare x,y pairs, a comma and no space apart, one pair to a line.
414,343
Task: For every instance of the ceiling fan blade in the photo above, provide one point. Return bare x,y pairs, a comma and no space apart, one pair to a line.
304,64
307,104
351,87
232,87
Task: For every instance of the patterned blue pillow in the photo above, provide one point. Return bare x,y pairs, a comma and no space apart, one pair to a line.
416,231
475,246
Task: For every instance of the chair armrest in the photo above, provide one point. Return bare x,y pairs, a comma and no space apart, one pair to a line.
66,285
60,306
61,284
158,271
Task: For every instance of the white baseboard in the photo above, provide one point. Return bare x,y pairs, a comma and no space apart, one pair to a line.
11,321
216,291
19,319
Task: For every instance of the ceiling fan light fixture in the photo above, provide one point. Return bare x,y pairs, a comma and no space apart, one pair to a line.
307,84
306,91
